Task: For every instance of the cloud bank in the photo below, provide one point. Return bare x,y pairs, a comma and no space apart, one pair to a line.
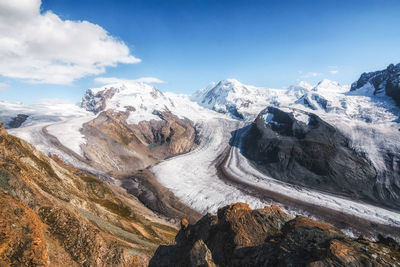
43,48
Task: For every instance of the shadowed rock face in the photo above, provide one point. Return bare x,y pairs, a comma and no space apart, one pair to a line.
17,121
387,81
153,195
239,236
96,102
52,214
300,148
120,149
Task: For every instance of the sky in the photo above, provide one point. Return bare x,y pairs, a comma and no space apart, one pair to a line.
60,48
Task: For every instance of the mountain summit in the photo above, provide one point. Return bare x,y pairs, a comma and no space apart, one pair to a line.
233,97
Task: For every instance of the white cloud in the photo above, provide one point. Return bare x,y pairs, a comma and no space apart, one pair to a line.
333,72
149,80
43,48
51,101
4,86
311,74
109,80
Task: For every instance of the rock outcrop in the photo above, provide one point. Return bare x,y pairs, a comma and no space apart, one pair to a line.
239,236
55,215
17,121
384,81
96,101
302,149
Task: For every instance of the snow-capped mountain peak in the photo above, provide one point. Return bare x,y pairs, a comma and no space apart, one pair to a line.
133,96
226,86
299,89
143,102
326,85
233,97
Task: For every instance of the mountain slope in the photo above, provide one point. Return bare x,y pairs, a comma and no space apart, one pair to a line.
302,149
118,148
69,217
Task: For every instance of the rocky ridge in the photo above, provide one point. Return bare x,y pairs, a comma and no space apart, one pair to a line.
385,81
119,148
239,236
55,215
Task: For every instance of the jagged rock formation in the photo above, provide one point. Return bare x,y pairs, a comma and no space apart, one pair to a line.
239,236
96,101
55,215
384,81
300,148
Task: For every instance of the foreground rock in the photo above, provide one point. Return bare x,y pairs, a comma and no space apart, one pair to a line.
239,236
300,148
54,215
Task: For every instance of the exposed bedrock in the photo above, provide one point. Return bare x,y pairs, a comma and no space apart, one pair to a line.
239,236
153,195
300,148
119,148
17,121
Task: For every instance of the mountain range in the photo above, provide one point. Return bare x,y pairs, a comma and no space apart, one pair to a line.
122,168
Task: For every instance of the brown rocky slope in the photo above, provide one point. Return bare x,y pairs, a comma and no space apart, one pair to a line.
125,151
120,149
239,236
54,215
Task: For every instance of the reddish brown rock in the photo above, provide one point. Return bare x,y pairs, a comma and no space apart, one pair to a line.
56,215
184,223
200,255
239,236
21,239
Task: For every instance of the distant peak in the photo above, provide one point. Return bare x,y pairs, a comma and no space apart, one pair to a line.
328,82
230,81
305,85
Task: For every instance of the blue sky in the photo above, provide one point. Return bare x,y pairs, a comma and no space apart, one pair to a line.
188,44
